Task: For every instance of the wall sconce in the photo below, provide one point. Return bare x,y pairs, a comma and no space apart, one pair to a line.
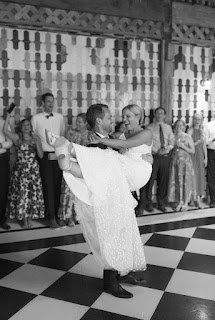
206,84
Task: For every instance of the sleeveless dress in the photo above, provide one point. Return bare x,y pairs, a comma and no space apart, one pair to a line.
198,164
25,197
105,206
182,184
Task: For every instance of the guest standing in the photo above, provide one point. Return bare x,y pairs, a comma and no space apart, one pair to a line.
25,198
5,145
182,185
199,157
50,172
80,136
209,131
163,142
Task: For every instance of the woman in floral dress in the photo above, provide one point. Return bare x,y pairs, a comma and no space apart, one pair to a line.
80,136
182,186
25,198
199,157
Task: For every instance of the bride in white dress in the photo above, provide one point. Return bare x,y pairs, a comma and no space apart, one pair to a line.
102,181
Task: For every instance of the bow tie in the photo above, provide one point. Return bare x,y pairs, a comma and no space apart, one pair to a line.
50,115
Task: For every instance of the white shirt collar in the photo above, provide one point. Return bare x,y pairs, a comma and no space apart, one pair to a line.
100,135
47,114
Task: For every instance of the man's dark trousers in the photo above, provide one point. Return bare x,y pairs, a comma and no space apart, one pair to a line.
160,171
211,175
4,184
51,176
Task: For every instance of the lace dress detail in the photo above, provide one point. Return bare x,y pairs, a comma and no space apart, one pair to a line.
105,206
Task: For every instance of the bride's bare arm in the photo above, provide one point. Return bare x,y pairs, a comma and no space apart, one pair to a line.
143,137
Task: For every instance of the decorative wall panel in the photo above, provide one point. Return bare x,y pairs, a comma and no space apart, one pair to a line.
207,3
193,64
193,34
67,20
78,70
155,10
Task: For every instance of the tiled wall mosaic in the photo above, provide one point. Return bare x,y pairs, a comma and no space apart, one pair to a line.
193,64
78,70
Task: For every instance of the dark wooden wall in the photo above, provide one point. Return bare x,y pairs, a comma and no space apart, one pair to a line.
143,9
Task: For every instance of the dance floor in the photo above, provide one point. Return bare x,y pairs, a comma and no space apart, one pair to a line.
51,274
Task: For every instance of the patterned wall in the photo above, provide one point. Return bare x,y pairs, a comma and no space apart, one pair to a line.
79,70
192,64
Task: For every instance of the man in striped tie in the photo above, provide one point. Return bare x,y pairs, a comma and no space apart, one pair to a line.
163,142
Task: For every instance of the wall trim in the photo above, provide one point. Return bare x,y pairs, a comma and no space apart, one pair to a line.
18,15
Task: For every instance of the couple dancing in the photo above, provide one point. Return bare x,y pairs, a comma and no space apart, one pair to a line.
102,181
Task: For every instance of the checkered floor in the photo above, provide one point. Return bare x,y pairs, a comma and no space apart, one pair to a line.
51,275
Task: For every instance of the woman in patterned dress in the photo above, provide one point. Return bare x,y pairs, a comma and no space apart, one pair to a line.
80,136
25,198
182,185
199,157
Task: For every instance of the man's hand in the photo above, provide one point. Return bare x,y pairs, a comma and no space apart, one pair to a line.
147,157
94,139
163,151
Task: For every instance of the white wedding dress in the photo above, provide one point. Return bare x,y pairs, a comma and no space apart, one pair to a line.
105,206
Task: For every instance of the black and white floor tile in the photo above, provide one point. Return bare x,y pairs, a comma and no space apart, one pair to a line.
52,275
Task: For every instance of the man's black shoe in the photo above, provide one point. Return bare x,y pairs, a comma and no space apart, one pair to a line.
129,279
139,212
5,226
212,204
149,208
162,208
112,286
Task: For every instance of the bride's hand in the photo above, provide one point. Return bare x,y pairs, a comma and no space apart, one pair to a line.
94,139
148,158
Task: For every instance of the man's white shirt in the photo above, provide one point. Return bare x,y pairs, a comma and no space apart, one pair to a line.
55,124
209,132
5,142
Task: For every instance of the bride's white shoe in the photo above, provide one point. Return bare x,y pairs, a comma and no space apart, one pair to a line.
51,138
62,149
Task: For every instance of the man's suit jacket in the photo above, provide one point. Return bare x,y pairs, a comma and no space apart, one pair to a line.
99,145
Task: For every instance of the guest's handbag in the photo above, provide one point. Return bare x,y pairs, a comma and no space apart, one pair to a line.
11,107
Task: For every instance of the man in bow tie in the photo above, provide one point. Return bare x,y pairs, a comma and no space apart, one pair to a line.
50,172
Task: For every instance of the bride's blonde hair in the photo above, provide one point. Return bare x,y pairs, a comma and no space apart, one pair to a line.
137,111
